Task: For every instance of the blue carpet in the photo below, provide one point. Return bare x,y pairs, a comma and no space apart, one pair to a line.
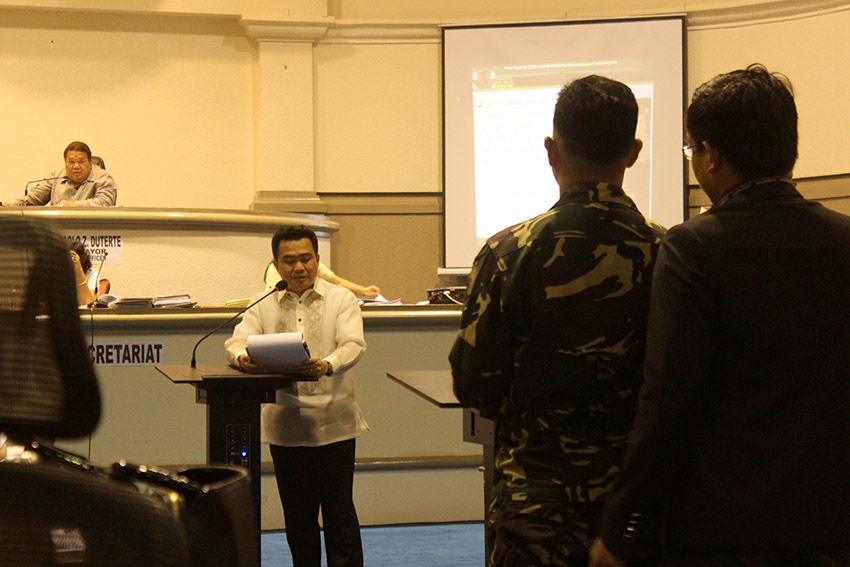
421,545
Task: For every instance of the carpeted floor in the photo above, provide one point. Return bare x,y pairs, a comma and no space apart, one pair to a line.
421,545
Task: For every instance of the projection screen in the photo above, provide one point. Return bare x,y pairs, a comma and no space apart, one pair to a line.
500,84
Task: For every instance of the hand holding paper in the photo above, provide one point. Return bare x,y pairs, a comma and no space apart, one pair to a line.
278,352
313,368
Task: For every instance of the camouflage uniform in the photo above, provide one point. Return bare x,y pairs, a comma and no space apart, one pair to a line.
551,345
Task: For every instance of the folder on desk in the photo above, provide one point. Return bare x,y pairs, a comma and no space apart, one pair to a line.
278,352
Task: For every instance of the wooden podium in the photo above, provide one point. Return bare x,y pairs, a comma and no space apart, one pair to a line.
233,401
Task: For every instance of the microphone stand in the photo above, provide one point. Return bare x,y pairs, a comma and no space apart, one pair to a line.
99,272
279,286
27,186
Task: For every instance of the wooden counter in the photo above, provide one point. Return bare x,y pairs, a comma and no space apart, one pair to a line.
213,255
413,466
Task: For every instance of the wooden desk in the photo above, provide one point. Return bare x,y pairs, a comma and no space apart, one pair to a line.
433,385
147,419
437,386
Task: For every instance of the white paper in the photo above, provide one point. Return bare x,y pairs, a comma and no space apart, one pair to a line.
278,352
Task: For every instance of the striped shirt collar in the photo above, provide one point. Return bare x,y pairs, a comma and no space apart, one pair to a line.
748,185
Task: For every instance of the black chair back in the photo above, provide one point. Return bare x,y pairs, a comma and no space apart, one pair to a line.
47,383
58,509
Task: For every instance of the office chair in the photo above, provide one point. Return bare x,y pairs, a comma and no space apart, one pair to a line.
57,508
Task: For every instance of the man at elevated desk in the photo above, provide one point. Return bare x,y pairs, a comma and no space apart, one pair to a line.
311,429
78,184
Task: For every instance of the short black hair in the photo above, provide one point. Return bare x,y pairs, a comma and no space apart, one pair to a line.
596,119
77,147
291,233
749,115
85,258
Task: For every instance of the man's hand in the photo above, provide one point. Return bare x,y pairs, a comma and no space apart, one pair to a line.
313,367
67,203
248,364
601,557
369,291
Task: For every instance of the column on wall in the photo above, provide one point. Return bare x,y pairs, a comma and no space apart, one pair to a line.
284,177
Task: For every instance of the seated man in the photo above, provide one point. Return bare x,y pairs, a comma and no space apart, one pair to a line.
78,184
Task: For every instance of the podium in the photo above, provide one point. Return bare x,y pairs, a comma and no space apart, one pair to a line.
233,401
437,387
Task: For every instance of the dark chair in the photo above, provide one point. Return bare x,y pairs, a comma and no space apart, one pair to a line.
57,508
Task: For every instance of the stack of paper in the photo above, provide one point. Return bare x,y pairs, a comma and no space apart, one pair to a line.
116,302
278,352
179,300
380,300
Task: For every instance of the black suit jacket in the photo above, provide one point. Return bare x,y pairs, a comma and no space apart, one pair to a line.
742,437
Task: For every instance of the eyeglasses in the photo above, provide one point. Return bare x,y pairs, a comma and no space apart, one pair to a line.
689,151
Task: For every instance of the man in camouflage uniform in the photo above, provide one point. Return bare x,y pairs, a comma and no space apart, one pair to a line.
552,335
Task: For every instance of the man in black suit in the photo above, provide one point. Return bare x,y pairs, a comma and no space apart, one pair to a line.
740,452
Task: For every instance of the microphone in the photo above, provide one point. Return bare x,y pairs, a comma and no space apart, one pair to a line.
99,272
27,186
279,286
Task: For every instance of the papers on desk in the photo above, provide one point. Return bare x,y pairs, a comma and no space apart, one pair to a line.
119,302
114,301
179,300
380,300
278,352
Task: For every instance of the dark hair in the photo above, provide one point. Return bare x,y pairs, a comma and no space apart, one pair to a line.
82,252
77,147
749,115
596,119
291,233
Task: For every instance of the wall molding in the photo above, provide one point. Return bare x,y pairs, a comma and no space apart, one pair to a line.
296,30
388,31
714,15
768,12
349,203
823,189
701,14
383,203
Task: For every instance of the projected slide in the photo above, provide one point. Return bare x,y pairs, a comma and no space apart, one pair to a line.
500,88
512,114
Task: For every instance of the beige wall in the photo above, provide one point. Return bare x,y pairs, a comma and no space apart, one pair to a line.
166,101
334,106
402,266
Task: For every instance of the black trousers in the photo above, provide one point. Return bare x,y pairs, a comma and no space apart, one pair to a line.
314,478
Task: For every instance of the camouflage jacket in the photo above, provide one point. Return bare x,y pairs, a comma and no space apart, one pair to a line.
551,341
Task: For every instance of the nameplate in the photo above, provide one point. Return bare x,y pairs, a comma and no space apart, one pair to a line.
126,354
103,247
